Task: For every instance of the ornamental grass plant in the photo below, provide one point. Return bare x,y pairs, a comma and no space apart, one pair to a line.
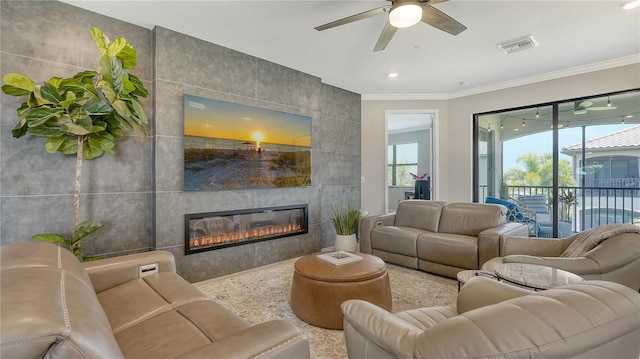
345,218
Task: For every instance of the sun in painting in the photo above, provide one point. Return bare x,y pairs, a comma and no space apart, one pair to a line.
257,136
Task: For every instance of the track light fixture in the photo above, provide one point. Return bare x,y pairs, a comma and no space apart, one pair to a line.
537,113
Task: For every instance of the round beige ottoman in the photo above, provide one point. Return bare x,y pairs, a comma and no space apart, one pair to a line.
319,288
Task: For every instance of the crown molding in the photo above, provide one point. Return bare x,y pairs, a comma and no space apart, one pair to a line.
572,71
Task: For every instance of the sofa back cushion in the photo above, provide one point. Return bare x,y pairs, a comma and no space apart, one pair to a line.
593,319
471,218
419,214
48,308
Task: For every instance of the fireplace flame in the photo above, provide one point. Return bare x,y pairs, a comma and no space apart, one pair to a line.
239,236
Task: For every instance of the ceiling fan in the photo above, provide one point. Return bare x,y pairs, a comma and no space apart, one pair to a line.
580,108
404,13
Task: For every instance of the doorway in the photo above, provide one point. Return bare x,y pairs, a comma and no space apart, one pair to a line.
410,153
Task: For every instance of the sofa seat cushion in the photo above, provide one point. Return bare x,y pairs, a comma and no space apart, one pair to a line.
143,298
395,239
454,250
179,331
424,318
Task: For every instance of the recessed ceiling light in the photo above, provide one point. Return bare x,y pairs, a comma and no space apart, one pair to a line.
630,4
392,74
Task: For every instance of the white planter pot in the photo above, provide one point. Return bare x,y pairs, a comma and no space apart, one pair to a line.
346,243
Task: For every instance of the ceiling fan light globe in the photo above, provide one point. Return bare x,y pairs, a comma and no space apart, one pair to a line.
405,15
628,5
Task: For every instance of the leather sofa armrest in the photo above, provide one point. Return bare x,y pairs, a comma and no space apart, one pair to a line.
367,224
549,247
481,291
110,272
272,339
578,265
490,240
379,326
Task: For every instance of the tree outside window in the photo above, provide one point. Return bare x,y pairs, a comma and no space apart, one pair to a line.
403,159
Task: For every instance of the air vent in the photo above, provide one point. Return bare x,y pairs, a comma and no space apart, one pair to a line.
524,43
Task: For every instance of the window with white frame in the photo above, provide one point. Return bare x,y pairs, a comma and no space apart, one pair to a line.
402,160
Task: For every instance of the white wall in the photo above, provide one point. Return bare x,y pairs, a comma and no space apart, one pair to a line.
453,130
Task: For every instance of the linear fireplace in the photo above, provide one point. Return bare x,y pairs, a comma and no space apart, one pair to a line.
213,230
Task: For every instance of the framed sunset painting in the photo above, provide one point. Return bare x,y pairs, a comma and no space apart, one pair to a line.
234,146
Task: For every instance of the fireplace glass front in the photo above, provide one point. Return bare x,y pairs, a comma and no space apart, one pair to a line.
208,231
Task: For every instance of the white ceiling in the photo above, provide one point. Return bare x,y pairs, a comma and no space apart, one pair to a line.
573,36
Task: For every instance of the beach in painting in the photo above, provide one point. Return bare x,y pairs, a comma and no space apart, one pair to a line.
219,164
235,146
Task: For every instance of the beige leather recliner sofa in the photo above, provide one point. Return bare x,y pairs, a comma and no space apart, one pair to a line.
593,319
438,237
612,253
53,306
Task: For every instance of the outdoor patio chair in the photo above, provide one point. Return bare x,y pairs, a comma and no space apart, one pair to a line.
519,214
538,203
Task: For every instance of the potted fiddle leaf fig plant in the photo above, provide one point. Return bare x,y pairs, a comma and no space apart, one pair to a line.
83,115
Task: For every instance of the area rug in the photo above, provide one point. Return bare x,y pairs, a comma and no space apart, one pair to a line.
263,293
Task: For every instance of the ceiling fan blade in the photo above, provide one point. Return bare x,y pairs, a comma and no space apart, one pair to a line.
385,37
440,20
352,18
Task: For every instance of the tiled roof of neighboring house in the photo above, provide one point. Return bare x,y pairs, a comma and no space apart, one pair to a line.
627,138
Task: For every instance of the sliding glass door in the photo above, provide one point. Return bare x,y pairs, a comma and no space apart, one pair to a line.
562,167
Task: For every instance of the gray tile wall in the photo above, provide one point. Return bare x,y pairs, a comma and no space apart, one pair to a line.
138,192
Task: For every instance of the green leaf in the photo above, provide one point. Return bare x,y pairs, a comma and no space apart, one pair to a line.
105,70
105,144
14,91
128,56
20,129
107,91
116,46
92,149
127,86
100,39
50,237
84,229
138,111
17,84
69,146
85,77
50,93
70,98
140,89
53,143
74,85
47,132
75,129
56,81
39,115
37,94
122,109
97,107
117,74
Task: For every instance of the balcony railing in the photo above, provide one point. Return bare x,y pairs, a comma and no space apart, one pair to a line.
594,206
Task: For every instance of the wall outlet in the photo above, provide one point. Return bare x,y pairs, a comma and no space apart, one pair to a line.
147,269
